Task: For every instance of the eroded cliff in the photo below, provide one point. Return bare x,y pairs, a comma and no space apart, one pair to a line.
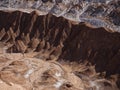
61,39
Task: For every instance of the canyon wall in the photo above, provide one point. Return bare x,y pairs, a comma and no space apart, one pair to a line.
58,37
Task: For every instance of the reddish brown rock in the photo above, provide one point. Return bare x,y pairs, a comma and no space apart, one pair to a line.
69,41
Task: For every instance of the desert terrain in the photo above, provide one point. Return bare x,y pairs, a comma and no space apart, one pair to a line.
59,45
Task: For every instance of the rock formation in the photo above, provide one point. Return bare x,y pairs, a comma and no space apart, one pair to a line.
99,13
56,47
61,38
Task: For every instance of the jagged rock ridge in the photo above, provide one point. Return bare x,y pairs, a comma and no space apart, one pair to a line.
100,13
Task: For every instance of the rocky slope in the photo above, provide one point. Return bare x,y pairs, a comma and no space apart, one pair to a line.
89,57
59,38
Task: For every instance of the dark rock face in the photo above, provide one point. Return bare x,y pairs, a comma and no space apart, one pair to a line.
60,37
95,45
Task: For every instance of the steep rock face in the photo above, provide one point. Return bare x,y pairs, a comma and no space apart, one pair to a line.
41,32
61,38
95,45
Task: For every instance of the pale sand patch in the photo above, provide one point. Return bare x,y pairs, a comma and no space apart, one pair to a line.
4,86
